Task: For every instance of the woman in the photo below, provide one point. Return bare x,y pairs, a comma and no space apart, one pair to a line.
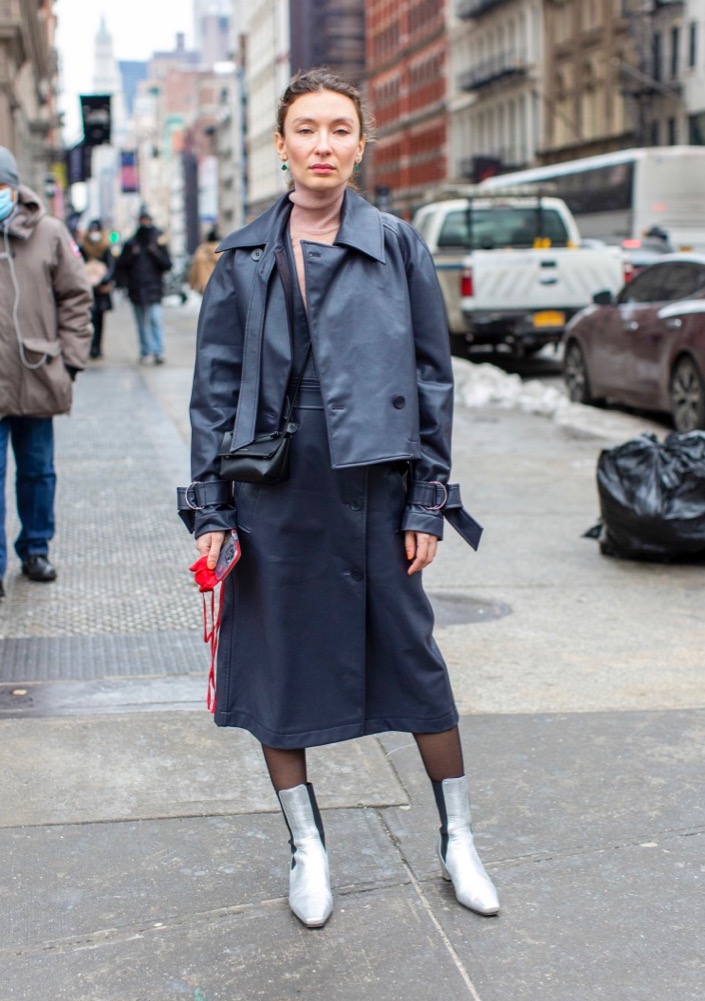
203,262
326,631
100,265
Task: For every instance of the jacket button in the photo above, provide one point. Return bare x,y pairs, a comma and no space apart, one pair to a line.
256,254
356,504
356,573
399,402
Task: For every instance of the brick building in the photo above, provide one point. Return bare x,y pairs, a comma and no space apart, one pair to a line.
407,55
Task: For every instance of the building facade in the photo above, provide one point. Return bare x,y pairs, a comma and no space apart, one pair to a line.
496,102
329,33
268,72
211,23
590,54
286,36
407,71
29,120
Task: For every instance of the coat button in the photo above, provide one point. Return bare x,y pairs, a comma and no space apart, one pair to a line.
256,254
356,573
356,504
399,402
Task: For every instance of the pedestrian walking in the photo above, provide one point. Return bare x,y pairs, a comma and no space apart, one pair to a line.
203,262
140,269
45,333
327,306
100,266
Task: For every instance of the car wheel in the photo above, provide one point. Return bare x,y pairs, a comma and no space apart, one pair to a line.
687,396
575,374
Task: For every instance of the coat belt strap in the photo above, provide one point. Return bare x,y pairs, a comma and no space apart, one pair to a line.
437,496
198,494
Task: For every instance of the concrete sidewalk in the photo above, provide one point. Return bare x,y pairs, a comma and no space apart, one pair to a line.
144,857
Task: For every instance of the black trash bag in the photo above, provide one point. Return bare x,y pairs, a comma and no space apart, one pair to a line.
652,498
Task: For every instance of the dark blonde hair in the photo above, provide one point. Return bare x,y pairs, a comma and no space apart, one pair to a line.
322,78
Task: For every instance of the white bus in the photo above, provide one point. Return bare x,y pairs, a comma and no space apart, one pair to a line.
620,196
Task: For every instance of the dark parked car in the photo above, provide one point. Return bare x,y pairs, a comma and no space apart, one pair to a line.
646,347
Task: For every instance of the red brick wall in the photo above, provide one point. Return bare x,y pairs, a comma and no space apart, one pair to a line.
407,65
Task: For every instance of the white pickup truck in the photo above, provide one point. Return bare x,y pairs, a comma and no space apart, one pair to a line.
512,269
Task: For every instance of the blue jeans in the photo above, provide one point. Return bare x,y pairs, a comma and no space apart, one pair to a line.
33,446
150,328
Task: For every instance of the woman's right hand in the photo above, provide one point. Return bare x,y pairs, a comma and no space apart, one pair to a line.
208,545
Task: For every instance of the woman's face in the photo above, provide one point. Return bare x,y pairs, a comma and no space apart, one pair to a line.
321,142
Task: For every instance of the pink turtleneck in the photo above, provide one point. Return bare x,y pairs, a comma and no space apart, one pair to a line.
314,217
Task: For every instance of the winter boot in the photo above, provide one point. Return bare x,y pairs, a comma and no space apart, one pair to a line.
310,896
459,859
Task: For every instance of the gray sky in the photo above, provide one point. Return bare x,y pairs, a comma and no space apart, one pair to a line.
138,28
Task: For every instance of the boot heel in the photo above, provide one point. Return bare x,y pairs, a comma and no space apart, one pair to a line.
444,871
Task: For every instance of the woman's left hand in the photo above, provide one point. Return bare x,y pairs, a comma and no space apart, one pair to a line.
420,549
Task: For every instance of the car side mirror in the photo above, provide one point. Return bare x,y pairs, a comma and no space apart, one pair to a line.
604,298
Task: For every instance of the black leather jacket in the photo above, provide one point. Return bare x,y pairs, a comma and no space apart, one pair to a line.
380,342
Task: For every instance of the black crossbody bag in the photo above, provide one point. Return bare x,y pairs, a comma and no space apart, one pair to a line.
266,459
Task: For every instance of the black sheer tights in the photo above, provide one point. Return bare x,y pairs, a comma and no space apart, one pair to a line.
441,754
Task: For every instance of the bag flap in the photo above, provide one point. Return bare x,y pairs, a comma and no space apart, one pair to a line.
263,447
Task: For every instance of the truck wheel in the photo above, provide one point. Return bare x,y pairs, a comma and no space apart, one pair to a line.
575,374
687,395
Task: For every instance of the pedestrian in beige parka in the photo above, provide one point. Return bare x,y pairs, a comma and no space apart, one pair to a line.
45,334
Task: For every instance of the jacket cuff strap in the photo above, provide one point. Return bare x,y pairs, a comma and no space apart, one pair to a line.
437,496
198,495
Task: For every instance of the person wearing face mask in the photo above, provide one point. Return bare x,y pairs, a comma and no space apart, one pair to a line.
140,269
45,334
100,265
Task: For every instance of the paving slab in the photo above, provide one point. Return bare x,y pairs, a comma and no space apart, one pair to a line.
73,881
625,923
382,944
69,770
552,784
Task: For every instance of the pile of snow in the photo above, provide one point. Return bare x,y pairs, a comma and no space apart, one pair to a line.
485,385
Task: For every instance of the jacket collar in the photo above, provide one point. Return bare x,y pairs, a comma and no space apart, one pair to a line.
360,227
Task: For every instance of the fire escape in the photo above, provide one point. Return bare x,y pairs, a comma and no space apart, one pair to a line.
643,76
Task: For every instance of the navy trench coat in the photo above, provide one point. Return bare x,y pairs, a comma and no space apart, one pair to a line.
324,635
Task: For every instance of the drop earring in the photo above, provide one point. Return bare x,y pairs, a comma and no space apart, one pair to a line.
284,165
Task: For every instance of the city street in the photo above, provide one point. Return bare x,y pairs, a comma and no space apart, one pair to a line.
144,855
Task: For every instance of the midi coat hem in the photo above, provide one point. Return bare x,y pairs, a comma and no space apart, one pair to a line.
335,734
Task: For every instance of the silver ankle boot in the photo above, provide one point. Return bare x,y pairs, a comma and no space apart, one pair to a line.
310,897
456,849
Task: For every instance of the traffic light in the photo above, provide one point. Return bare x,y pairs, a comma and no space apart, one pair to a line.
114,237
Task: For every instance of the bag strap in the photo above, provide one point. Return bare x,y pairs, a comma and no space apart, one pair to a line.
285,276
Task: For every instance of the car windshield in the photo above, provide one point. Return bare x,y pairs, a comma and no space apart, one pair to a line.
502,226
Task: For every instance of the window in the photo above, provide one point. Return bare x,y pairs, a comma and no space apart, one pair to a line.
681,280
665,282
675,50
658,56
501,227
693,44
672,132
696,129
648,286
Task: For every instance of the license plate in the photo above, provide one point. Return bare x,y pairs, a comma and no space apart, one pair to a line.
549,318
